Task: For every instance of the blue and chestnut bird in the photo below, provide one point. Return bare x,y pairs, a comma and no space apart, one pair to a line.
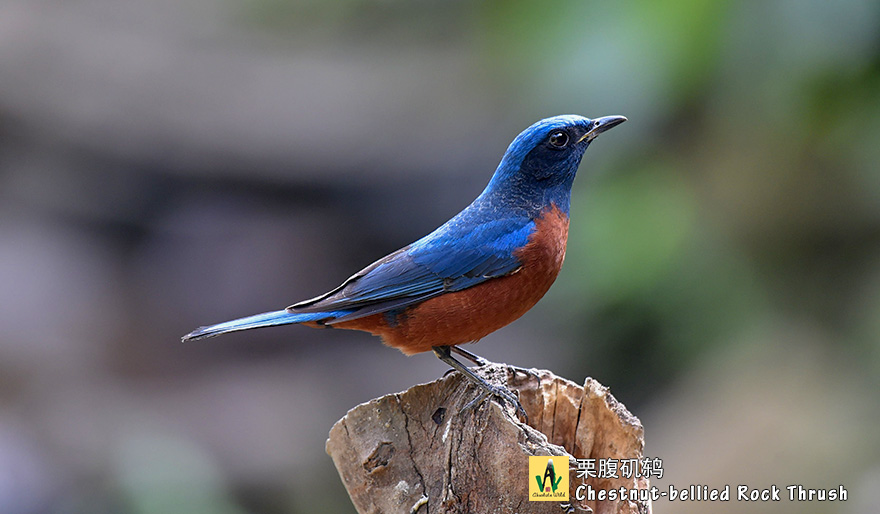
476,273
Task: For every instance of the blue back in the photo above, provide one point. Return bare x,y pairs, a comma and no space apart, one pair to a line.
477,244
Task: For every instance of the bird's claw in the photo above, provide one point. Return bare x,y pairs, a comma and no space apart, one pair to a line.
503,394
525,371
486,389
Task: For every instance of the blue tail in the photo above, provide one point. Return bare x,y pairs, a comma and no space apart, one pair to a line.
267,319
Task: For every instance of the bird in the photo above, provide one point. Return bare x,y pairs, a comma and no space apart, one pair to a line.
476,273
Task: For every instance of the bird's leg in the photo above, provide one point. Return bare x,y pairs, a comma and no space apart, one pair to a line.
476,359
444,353
480,361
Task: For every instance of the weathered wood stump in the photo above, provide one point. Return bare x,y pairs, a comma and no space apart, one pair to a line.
418,452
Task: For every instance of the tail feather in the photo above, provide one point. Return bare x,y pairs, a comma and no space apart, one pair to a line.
266,319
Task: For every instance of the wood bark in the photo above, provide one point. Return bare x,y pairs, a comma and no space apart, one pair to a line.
419,452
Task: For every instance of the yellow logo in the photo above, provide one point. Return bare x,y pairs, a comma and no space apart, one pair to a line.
548,479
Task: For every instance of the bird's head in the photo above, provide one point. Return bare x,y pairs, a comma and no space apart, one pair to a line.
545,157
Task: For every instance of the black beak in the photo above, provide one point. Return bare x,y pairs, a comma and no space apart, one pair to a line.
601,125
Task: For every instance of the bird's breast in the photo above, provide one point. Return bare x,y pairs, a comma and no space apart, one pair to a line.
470,314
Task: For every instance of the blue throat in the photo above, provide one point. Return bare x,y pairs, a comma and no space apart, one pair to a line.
526,185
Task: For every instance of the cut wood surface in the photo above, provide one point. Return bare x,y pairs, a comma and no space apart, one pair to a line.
419,452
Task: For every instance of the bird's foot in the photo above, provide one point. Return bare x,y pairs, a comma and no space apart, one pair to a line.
524,371
481,362
502,393
487,389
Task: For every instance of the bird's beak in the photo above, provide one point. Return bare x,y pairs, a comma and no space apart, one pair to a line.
601,125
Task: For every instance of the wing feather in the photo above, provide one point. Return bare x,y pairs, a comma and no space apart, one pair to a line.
450,259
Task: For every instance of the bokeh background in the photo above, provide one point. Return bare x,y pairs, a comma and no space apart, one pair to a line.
169,164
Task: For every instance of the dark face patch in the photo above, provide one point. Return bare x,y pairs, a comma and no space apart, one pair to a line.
549,160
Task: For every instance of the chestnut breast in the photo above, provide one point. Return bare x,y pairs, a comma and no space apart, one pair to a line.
470,314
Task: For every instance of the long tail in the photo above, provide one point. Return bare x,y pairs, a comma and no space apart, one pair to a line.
267,319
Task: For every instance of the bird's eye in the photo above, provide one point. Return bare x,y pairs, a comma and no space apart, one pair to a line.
559,139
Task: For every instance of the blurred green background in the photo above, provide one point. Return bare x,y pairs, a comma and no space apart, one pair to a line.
170,164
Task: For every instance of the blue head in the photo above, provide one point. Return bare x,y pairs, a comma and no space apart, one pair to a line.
540,164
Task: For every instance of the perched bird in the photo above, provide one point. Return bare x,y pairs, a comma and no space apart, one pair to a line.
476,273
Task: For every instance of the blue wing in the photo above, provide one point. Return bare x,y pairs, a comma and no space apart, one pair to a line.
458,255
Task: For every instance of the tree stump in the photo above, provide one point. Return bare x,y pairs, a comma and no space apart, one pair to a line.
418,452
